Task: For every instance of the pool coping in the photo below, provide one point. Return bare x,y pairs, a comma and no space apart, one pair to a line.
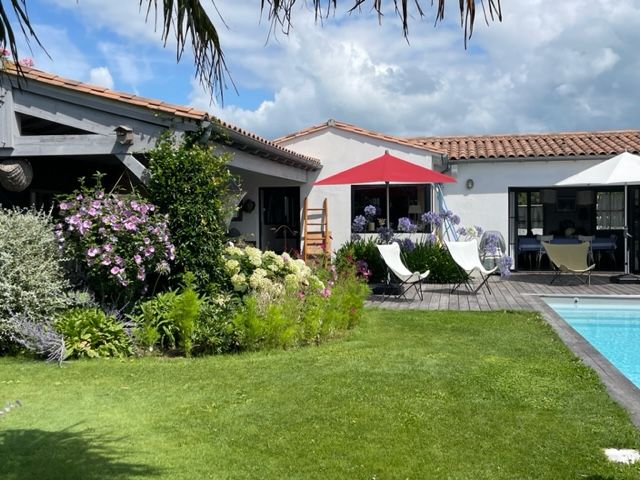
619,387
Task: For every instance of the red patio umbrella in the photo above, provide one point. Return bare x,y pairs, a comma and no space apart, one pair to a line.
388,169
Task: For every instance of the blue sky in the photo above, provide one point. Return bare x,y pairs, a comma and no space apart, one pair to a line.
549,66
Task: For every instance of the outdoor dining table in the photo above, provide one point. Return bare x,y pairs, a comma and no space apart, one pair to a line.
530,245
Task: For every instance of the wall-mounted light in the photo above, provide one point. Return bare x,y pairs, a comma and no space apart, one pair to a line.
469,183
124,134
453,169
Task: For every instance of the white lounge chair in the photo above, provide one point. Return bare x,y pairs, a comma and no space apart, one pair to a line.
391,256
569,258
467,257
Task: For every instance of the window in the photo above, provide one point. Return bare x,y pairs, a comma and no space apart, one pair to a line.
609,210
530,213
405,201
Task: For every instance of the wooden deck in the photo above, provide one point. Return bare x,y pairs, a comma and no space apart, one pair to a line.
521,291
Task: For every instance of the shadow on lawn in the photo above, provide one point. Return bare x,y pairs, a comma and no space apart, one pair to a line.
69,454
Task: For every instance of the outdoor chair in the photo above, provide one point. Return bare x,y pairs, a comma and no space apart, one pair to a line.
391,256
589,240
467,258
569,258
541,251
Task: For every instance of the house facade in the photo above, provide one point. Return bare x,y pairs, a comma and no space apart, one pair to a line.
64,129
505,183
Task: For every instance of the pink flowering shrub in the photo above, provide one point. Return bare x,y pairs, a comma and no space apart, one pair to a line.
119,241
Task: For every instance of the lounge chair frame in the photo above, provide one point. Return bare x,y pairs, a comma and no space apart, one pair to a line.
467,258
396,268
567,264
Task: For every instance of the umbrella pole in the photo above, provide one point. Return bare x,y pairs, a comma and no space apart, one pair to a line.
388,224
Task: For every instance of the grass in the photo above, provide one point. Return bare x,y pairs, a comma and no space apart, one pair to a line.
443,395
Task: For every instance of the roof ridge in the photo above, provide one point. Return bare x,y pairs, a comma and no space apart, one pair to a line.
523,135
332,123
100,91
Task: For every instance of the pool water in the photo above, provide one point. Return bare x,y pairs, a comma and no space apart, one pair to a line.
611,325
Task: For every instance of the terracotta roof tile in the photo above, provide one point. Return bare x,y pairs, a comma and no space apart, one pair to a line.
51,79
564,144
283,155
354,129
310,162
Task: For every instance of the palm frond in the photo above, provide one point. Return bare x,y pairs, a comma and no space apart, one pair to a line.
279,12
190,23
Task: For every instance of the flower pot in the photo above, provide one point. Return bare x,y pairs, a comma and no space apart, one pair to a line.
371,227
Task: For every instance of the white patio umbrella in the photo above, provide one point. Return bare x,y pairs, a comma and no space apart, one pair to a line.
623,169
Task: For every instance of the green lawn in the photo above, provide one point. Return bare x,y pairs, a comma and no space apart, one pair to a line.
441,395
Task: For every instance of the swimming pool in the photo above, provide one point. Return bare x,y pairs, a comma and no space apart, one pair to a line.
611,325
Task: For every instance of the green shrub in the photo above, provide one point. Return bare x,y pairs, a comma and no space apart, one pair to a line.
436,258
364,250
299,319
168,320
214,331
32,283
89,332
190,183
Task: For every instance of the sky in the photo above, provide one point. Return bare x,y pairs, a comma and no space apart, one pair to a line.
549,66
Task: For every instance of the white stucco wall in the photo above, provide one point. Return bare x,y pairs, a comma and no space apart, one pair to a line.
487,203
339,150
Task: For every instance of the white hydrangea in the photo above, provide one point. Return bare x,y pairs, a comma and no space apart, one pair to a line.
234,252
239,282
256,280
254,255
232,266
291,281
272,261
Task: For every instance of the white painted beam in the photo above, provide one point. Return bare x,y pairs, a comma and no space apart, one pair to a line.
7,116
71,145
254,163
135,167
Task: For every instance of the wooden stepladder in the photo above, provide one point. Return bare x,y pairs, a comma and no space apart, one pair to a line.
316,237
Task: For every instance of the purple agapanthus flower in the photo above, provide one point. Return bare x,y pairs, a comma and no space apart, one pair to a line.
385,234
370,211
358,223
432,218
446,214
407,245
504,265
405,225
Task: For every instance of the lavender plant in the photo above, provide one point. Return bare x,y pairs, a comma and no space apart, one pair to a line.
117,240
39,338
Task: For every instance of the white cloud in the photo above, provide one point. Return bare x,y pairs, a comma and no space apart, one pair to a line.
101,76
548,66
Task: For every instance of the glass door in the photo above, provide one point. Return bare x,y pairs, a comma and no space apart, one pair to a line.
280,219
